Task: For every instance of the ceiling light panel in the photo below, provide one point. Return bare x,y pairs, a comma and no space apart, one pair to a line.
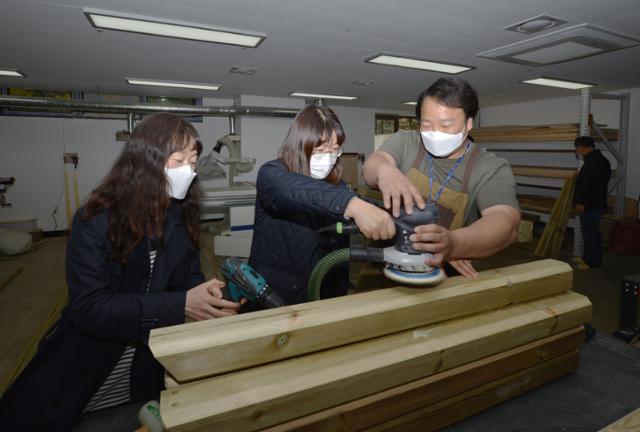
174,29
415,63
177,84
322,96
554,82
558,53
582,40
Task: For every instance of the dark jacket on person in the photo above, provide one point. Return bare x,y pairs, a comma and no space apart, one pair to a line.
290,208
109,307
593,181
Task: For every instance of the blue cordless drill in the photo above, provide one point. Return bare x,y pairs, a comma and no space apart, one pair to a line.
244,282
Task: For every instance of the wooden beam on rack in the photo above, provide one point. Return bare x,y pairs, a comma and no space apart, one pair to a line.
537,171
536,133
205,348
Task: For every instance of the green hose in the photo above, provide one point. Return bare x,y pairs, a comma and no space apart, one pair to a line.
320,270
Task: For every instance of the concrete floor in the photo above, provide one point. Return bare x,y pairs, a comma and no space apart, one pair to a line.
27,301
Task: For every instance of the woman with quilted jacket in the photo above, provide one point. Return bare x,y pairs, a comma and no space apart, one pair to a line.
297,194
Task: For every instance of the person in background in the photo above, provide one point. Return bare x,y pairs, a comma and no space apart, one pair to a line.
474,190
132,264
297,194
590,199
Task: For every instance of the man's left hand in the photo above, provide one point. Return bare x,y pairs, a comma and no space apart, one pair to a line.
435,239
439,241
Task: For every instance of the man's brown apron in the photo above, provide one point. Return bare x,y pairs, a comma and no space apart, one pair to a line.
451,204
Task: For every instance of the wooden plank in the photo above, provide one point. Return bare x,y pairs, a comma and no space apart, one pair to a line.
549,172
10,277
449,411
381,407
534,133
27,353
561,219
553,234
195,350
263,396
628,423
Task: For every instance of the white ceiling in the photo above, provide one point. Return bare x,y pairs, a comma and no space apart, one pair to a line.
312,46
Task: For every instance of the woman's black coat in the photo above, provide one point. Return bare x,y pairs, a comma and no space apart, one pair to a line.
108,309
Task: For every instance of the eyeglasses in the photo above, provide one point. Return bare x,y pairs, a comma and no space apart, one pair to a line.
319,154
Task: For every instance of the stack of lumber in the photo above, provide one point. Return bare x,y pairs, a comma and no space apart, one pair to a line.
553,235
546,133
396,358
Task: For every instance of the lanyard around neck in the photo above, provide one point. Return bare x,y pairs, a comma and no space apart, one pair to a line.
449,174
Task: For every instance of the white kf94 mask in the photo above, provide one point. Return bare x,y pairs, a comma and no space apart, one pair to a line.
442,144
321,164
179,180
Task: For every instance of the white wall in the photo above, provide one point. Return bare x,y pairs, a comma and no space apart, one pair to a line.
567,110
263,136
31,150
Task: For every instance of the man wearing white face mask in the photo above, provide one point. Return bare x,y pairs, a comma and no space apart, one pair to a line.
473,189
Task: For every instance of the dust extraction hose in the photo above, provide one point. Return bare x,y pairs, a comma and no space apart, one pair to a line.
356,254
320,270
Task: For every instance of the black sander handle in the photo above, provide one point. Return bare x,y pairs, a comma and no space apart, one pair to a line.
406,224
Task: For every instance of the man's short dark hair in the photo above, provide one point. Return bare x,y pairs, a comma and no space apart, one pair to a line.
584,141
451,92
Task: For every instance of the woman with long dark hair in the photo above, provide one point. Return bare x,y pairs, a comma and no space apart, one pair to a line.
132,264
297,194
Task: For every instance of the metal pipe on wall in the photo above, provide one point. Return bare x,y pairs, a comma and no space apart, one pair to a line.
126,108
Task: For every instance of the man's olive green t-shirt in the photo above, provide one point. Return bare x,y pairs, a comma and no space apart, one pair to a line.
491,182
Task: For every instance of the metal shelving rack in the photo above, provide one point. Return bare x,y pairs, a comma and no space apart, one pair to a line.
588,126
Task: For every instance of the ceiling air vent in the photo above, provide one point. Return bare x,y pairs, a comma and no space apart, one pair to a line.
363,83
536,24
582,40
243,70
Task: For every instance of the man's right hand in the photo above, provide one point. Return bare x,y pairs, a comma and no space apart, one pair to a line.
396,188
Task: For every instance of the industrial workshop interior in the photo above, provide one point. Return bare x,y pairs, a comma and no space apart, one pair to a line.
271,215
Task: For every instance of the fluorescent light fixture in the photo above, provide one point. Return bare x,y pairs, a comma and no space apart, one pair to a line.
11,73
322,96
415,63
414,103
197,86
174,29
553,82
